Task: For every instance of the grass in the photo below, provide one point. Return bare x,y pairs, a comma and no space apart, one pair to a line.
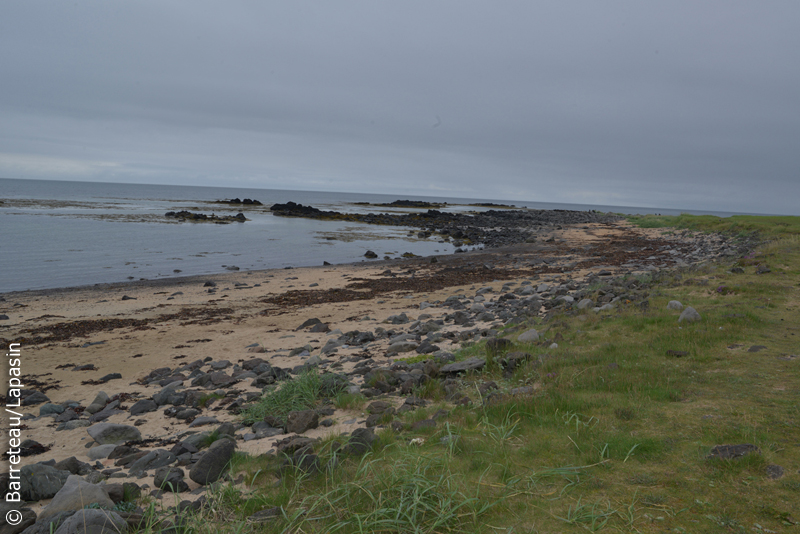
301,393
614,438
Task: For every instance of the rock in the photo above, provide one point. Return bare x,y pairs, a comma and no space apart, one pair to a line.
37,397
76,494
101,451
775,471
361,441
300,421
40,481
210,467
74,466
99,402
529,336
733,451
93,521
370,254
674,305
170,479
401,346
151,460
105,433
48,408
25,517
585,303
202,421
689,315
143,406
463,366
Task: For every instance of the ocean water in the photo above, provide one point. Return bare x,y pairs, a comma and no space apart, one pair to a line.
62,234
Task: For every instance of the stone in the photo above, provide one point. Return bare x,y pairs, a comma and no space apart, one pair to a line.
733,451
143,406
585,303
48,408
105,433
93,521
361,441
674,305
101,451
26,517
170,479
204,420
300,421
529,336
151,460
463,366
689,315
40,481
74,495
401,346
211,466
74,466
775,471
99,402
37,397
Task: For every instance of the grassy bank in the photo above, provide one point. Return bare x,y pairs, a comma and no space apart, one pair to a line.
612,433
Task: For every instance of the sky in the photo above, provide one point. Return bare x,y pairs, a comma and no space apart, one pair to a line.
681,104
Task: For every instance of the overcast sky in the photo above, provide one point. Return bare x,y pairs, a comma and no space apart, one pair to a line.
686,104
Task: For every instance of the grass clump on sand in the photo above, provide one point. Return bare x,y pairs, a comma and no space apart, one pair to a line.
300,393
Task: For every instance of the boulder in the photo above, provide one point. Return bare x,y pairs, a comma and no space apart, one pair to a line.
689,315
40,481
529,336
105,433
170,479
300,421
92,521
143,406
674,305
463,366
26,517
210,467
74,495
151,460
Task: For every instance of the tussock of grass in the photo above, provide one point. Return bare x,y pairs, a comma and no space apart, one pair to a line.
301,393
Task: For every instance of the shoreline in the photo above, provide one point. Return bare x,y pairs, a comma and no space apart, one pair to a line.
134,328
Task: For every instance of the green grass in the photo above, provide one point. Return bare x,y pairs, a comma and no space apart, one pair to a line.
300,393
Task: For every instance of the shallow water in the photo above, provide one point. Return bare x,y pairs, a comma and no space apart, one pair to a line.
61,234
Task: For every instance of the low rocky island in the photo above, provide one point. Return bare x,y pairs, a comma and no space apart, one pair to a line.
184,216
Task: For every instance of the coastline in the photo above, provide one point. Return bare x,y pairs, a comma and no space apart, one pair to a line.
168,323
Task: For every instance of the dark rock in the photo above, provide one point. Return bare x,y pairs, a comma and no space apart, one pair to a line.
26,517
775,471
210,467
40,481
35,397
463,366
74,466
300,421
170,479
143,406
74,495
93,521
151,460
104,433
733,451
361,441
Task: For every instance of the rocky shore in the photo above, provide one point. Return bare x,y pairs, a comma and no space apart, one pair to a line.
492,228
152,398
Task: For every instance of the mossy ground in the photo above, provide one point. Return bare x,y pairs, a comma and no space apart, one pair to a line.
615,436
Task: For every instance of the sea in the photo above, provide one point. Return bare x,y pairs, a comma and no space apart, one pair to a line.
57,234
